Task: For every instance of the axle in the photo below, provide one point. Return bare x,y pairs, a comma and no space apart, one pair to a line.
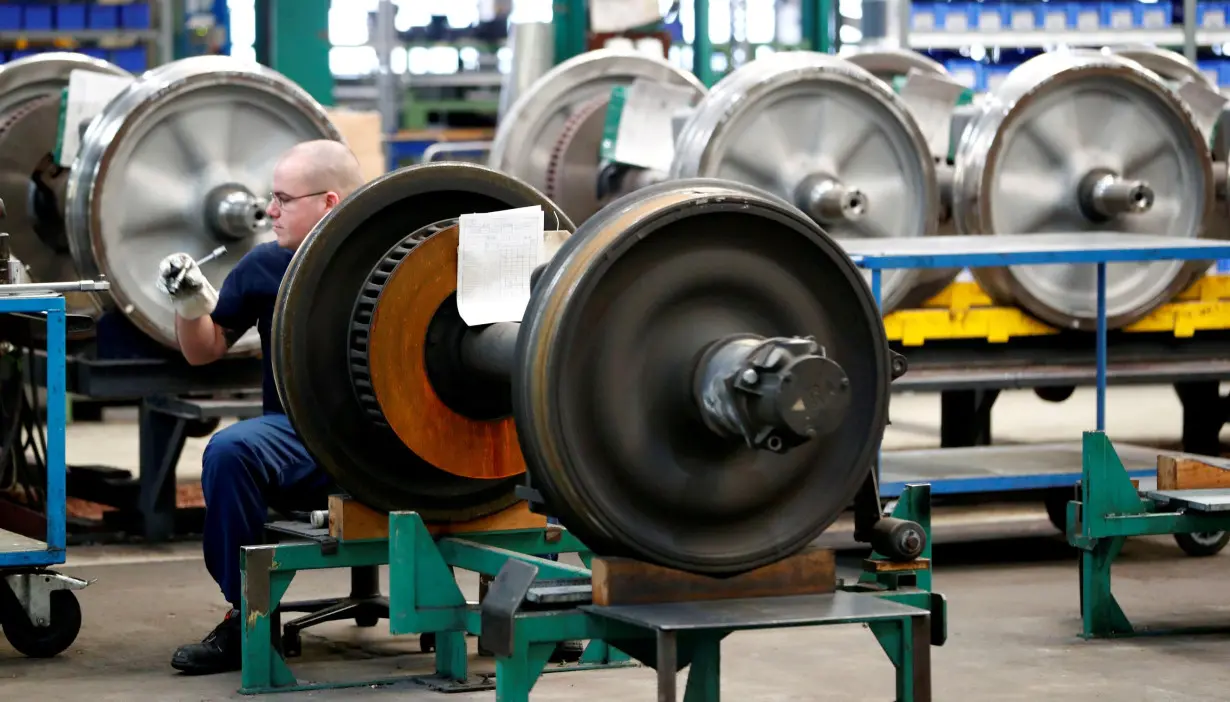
1104,195
774,394
234,213
829,201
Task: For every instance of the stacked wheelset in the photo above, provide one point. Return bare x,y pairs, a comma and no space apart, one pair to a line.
700,380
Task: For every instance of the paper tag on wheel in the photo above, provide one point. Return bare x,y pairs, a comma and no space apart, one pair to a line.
620,15
496,254
88,93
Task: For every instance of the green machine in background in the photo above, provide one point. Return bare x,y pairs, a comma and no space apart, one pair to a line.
571,23
292,37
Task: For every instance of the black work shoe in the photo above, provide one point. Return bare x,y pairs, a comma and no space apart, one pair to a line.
567,652
220,652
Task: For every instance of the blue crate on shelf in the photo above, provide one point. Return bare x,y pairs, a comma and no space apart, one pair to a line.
953,16
994,73
1084,16
1022,16
1054,16
38,18
1117,15
104,17
10,18
1158,15
135,16
922,17
1212,15
133,60
968,73
987,16
70,16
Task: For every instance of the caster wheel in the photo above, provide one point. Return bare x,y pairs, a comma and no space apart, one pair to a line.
46,641
427,642
366,620
1201,544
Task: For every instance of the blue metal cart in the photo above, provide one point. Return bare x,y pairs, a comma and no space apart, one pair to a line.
39,613
971,470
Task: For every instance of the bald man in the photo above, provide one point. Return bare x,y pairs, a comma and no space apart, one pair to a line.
261,461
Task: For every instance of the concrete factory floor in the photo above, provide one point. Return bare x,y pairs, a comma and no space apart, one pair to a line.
1013,609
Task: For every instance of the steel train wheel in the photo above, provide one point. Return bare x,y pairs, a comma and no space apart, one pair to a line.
157,164
314,335
827,136
610,431
32,184
540,140
1027,163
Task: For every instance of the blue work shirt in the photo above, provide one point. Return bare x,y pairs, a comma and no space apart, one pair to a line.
246,298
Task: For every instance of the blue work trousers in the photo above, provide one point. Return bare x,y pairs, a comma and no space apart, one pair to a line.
247,468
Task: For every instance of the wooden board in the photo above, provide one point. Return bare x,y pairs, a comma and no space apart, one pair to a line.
350,520
623,581
876,566
1191,473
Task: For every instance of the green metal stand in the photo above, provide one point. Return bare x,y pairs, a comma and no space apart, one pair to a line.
424,597
905,617
1109,510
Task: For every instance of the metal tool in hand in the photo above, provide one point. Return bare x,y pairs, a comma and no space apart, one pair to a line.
173,286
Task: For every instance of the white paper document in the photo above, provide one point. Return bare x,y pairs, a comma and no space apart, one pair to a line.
646,137
620,15
496,253
88,93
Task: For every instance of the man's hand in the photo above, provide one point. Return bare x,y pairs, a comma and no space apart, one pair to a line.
183,282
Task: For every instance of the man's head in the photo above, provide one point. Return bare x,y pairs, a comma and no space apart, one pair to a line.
308,181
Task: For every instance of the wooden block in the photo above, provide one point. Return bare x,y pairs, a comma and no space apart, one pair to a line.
362,133
873,566
1187,472
518,516
623,581
350,520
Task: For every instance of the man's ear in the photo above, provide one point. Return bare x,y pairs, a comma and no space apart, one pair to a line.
331,199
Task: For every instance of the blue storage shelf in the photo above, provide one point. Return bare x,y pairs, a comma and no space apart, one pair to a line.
993,16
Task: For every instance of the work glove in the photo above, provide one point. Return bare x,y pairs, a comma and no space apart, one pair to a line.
183,282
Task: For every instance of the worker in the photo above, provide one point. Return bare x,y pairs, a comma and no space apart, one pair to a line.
260,462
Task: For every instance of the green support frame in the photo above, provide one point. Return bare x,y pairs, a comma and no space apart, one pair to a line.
424,597
1108,511
921,623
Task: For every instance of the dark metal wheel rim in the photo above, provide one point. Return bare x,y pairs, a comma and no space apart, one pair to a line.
311,335
589,490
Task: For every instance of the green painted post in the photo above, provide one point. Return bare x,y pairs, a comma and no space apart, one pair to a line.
571,21
818,25
298,32
702,46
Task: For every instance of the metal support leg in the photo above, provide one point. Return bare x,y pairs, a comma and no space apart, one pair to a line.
1101,614
667,665
965,417
1204,414
264,669
1101,352
161,437
907,643
704,674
